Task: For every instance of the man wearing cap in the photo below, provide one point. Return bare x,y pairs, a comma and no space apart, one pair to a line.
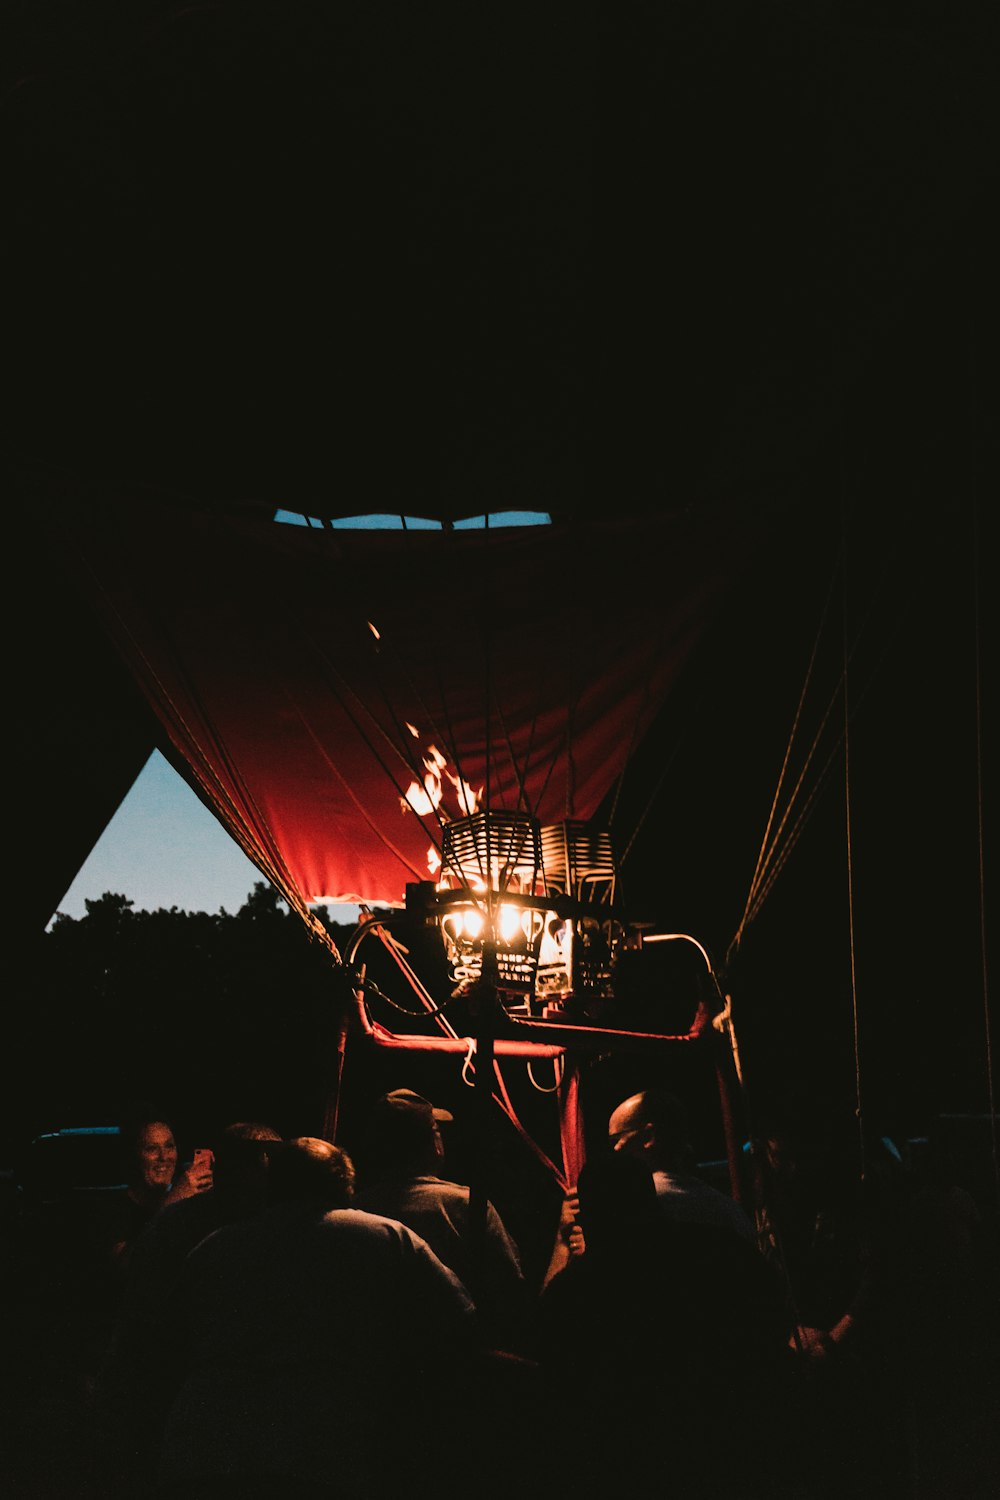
405,1152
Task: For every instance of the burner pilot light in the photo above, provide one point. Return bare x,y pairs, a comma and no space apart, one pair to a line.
542,896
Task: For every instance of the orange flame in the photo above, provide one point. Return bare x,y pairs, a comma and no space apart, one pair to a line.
468,800
424,797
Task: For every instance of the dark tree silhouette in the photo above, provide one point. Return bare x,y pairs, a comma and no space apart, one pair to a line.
219,1015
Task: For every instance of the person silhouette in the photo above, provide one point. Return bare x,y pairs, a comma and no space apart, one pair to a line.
652,1127
406,1154
312,1342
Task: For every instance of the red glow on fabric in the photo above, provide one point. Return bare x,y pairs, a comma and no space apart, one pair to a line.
541,660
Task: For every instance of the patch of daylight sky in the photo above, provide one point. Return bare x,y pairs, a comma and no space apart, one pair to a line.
163,848
415,523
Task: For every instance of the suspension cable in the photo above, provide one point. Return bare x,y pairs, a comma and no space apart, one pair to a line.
761,860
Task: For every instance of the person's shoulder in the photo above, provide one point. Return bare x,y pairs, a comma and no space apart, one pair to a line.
727,1204
422,1194
393,1233
442,1188
691,1182
684,1193
360,1222
427,1182
501,1237
359,1219
401,1189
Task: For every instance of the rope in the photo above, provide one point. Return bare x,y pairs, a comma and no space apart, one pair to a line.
774,862
411,764
452,742
761,861
449,738
334,770
779,861
572,699
522,800
692,719
416,767
337,680
557,1072
502,1100
500,1095
429,718
430,1007
646,810
628,753
253,835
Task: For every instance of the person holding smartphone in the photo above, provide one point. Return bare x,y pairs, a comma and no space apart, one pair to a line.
154,1179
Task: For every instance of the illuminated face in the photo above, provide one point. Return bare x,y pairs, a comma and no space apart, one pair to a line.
157,1155
627,1130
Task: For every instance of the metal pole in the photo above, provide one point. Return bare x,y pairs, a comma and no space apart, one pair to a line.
349,1005
484,1007
331,1108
